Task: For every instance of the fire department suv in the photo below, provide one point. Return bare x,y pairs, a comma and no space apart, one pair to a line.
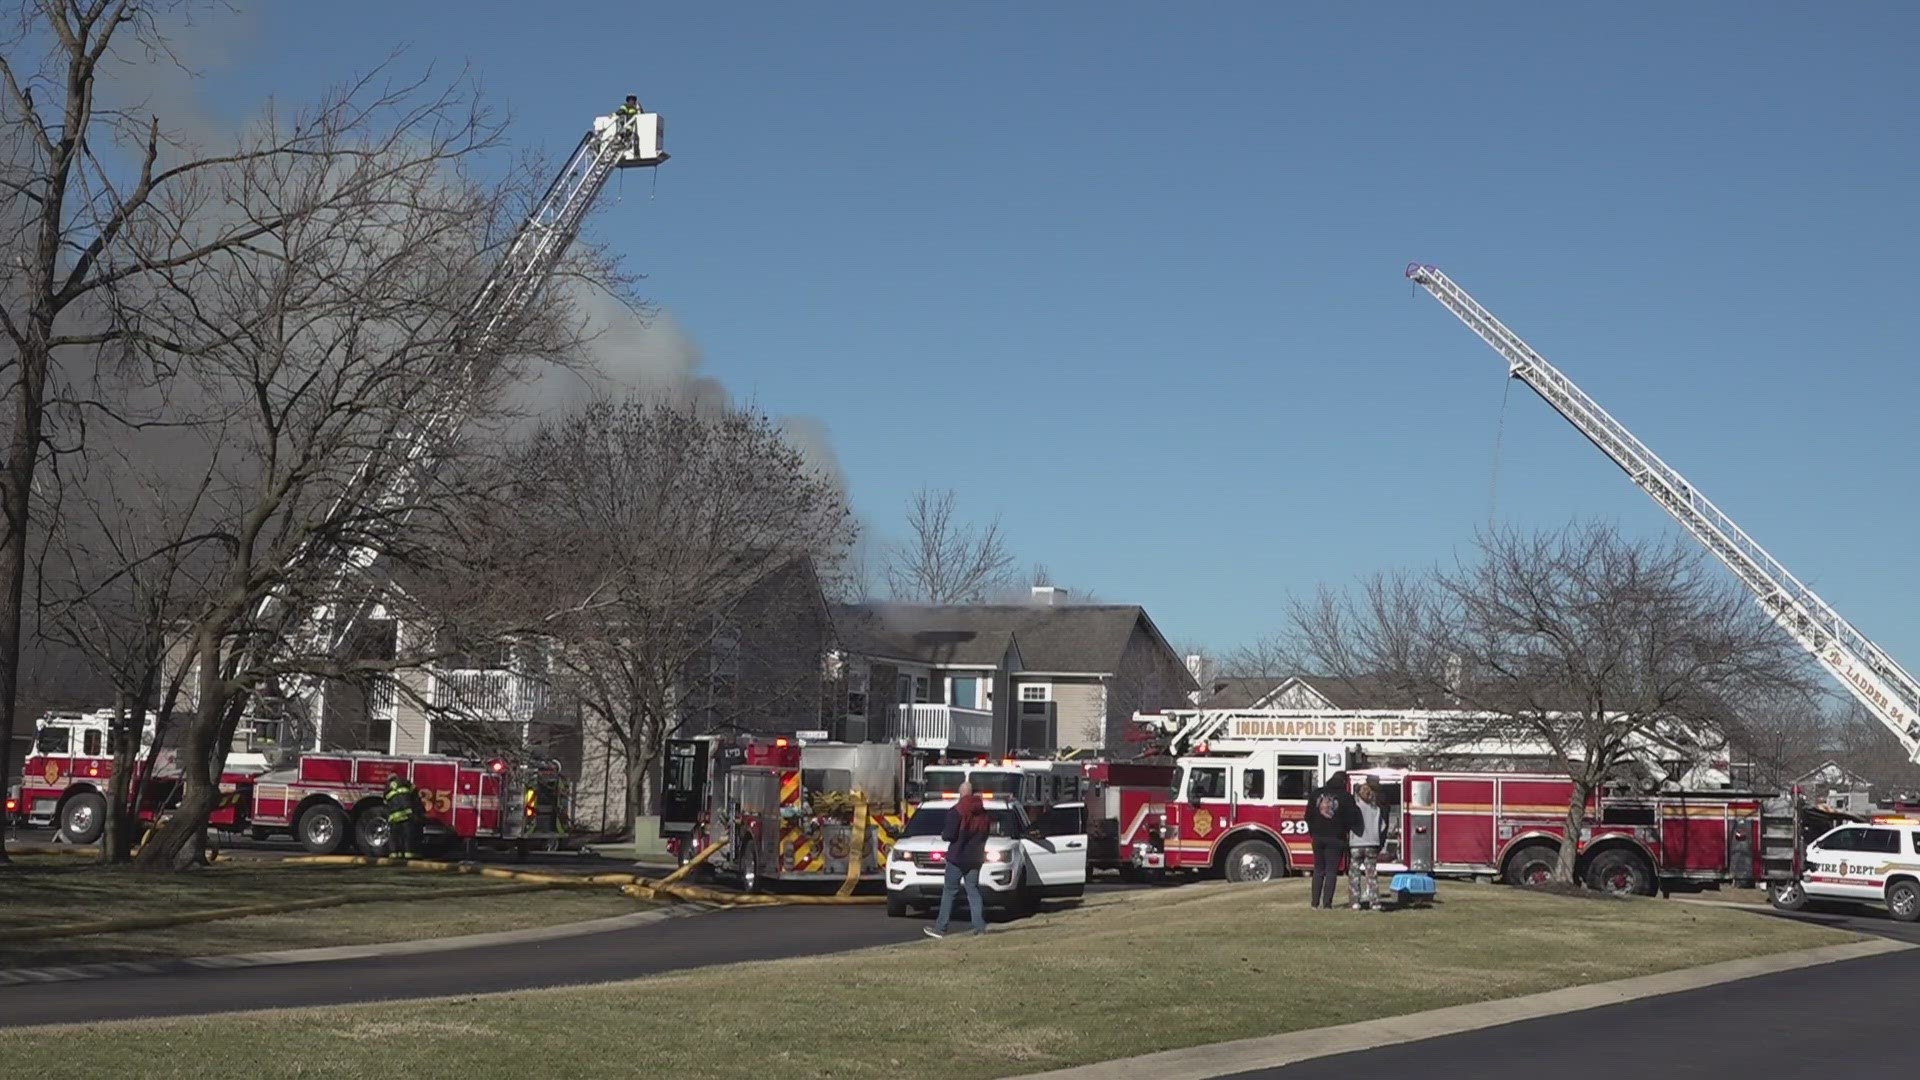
1026,861
1876,863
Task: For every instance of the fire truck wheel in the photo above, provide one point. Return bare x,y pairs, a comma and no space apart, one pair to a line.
84,817
1903,901
322,829
1787,895
1255,860
371,833
1532,866
1621,873
749,869
896,906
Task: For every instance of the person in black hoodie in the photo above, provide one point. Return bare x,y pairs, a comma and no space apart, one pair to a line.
1331,815
966,830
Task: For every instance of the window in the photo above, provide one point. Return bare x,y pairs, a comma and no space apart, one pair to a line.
903,690
1036,692
1293,784
1880,841
1253,784
965,693
1843,840
90,742
1627,814
54,740
1062,821
1208,783
932,820
920,690
857,693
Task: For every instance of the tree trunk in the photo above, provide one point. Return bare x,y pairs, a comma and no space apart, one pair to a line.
1576,821
636,770
181,842
123,818
16,491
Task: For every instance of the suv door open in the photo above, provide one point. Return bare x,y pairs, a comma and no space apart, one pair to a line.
1056,849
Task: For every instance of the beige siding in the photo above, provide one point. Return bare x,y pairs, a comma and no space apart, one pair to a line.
409,719
1080,709
600,791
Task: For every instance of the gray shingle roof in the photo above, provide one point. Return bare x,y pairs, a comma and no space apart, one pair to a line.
1239,691
1089,638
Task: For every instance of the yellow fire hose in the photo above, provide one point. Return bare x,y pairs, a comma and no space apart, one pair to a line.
667,888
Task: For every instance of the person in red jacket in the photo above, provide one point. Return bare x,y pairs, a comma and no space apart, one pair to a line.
966,831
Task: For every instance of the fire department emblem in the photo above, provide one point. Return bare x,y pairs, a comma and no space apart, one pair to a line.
53,773
1202,823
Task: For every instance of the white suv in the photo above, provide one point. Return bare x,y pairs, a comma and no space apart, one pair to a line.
1871,864
1026,861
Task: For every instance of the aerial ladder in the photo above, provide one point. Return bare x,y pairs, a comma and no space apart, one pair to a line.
1880,684
629,138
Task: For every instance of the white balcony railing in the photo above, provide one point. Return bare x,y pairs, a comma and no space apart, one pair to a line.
492,695
944,727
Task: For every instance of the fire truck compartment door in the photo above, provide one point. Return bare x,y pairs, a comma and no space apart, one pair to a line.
1056,848
683,790
1417,825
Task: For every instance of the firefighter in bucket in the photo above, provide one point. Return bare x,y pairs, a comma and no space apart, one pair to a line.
403,818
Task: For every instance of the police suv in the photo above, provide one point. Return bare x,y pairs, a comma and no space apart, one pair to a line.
1876,863
1026,861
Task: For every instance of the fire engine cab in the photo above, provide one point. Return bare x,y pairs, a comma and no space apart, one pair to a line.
1239,807
64,781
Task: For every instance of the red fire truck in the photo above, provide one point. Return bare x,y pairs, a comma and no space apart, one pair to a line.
330,802
1240,810
333,802
1511,826
785,806
1126,802
64,781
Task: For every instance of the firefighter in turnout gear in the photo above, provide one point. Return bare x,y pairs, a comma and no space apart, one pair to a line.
403,818
629,109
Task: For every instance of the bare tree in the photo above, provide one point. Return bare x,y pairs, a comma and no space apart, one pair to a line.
114,582
1862,744
1607,656
78,180
947,561
1270,656
1779,735
691,542
329,371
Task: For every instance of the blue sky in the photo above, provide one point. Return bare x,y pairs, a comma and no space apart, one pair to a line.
1129,277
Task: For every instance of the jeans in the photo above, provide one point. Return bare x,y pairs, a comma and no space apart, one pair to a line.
1326,870
957,877
1363,877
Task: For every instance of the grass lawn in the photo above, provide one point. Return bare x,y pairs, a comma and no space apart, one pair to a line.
52,893
1152,971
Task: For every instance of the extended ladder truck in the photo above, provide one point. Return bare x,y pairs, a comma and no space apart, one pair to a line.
295,706
1874,678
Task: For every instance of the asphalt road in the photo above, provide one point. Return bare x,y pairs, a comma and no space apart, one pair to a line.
1838,1019
673,944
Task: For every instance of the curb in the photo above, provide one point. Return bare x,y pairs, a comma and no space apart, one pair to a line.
1273,1051
324,954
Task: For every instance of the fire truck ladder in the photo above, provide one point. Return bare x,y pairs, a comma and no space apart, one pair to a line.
1883,686
522,272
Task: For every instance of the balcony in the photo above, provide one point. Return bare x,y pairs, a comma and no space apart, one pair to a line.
944,727
489,695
